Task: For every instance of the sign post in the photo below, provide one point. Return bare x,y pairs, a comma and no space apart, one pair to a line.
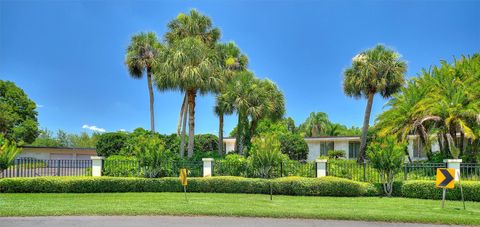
183,180
445,179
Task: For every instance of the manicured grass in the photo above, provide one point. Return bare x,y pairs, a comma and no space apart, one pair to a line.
348,208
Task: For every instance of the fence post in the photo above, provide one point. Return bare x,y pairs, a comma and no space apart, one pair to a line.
454,164
97,166
58,168
207,167
405,171
321,167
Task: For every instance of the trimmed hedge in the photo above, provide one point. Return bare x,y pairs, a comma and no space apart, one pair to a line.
426,190
327,186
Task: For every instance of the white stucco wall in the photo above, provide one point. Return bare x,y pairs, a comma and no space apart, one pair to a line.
229,145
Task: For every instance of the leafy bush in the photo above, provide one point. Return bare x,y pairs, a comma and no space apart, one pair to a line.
205,143
121,166
265,154
8,152
154,159
426,190
327,186
336,154
231,165
387,156
197,156
294,146
111,143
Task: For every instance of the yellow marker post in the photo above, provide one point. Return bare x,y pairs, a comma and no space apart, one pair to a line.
445,179
183,180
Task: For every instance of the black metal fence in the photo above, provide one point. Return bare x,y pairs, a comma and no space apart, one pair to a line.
134,168
39,168
470,171
284,169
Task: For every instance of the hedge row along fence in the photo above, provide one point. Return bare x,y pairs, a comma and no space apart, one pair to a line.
326,186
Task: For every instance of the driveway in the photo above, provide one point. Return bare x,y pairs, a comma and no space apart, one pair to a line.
177,221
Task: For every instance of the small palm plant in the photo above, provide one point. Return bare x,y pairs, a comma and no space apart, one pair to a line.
8,152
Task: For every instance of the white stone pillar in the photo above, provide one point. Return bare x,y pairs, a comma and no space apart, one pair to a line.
454,164
207,167
321,167
97,165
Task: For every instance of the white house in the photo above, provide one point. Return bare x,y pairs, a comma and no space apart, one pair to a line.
319,146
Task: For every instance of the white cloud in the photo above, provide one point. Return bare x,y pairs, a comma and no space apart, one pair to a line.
40,106
122,130
93,128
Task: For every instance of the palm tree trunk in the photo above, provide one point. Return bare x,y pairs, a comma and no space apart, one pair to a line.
366,121
191,121
239,139
150,93
184,126
180,118
220,134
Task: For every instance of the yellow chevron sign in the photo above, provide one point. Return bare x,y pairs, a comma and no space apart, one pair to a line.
445,178
183,177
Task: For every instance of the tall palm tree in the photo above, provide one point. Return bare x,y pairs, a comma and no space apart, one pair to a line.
316,124
143,55
198,26
232,60
378,70
190,66
253,99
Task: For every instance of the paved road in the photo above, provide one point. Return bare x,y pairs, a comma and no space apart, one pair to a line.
150,221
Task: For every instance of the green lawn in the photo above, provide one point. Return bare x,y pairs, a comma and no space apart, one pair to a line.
361,208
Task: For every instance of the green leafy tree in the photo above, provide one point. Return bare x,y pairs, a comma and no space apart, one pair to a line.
143,56
375,71
191,65
294,146
46,139
111,143
387,156
8,152
18,115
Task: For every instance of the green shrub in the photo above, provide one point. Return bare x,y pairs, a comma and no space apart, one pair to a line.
8,152
231,165
336,154
121,166
426,190
154,159
294,146
111,143
265,154
205,143
328,186
387,156
325,186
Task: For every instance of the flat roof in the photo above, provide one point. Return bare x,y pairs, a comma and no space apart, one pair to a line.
63,148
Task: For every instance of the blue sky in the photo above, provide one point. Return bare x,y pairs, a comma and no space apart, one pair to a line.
68,55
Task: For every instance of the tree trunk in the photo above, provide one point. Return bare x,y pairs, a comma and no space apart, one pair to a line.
184,128
239,139
220,134
150,93
180,118
191,121
366,121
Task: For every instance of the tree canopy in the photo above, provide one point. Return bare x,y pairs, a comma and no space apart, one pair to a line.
18,115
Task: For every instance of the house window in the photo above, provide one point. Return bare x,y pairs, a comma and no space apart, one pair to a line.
353,149
325,147
418,151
